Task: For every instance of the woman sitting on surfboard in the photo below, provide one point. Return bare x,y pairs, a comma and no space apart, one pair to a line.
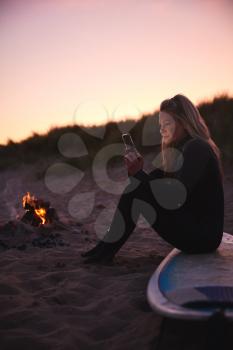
183,198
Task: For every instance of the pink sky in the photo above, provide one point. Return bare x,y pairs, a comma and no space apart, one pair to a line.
106,55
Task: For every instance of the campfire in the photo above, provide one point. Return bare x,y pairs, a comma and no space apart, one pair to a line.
37,211
39,226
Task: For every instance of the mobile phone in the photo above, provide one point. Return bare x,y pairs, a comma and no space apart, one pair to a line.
130,147
128,142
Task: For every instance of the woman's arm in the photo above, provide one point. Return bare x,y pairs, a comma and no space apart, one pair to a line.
140,175
196,155
134,165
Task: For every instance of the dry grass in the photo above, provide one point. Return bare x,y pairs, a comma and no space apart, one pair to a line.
218,114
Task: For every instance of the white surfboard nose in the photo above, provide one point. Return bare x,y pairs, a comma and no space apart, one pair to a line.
194,286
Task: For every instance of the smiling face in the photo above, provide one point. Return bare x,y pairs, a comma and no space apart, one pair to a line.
170,129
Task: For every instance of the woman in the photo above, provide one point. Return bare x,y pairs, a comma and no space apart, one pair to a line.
185,192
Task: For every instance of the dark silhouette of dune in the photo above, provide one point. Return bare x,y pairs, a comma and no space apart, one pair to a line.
218,114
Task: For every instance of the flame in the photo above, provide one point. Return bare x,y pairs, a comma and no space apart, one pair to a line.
32,201
28,199
42,214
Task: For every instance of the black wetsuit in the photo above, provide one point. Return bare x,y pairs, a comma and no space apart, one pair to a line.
185,207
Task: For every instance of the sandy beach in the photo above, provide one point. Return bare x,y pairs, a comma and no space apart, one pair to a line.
50,299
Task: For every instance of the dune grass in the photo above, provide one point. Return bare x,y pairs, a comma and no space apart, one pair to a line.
218,114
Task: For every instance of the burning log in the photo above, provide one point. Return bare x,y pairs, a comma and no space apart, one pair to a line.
38,212
34,228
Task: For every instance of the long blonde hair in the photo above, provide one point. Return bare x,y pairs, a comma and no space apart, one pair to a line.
184,112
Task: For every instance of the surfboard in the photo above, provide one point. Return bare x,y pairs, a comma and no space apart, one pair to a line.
194,286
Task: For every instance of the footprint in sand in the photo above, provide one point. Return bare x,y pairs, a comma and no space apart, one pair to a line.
5,289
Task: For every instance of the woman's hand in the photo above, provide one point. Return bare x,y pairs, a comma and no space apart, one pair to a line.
134,162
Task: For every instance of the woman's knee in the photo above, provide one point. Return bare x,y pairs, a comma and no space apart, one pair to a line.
156,174
134,188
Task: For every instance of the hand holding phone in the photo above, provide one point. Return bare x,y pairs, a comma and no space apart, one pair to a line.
130,147
133,159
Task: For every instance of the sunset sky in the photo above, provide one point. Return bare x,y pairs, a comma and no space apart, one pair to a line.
98,60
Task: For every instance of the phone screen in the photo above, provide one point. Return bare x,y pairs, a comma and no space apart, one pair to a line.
128,141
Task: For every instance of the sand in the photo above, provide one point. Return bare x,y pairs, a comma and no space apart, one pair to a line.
50,299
